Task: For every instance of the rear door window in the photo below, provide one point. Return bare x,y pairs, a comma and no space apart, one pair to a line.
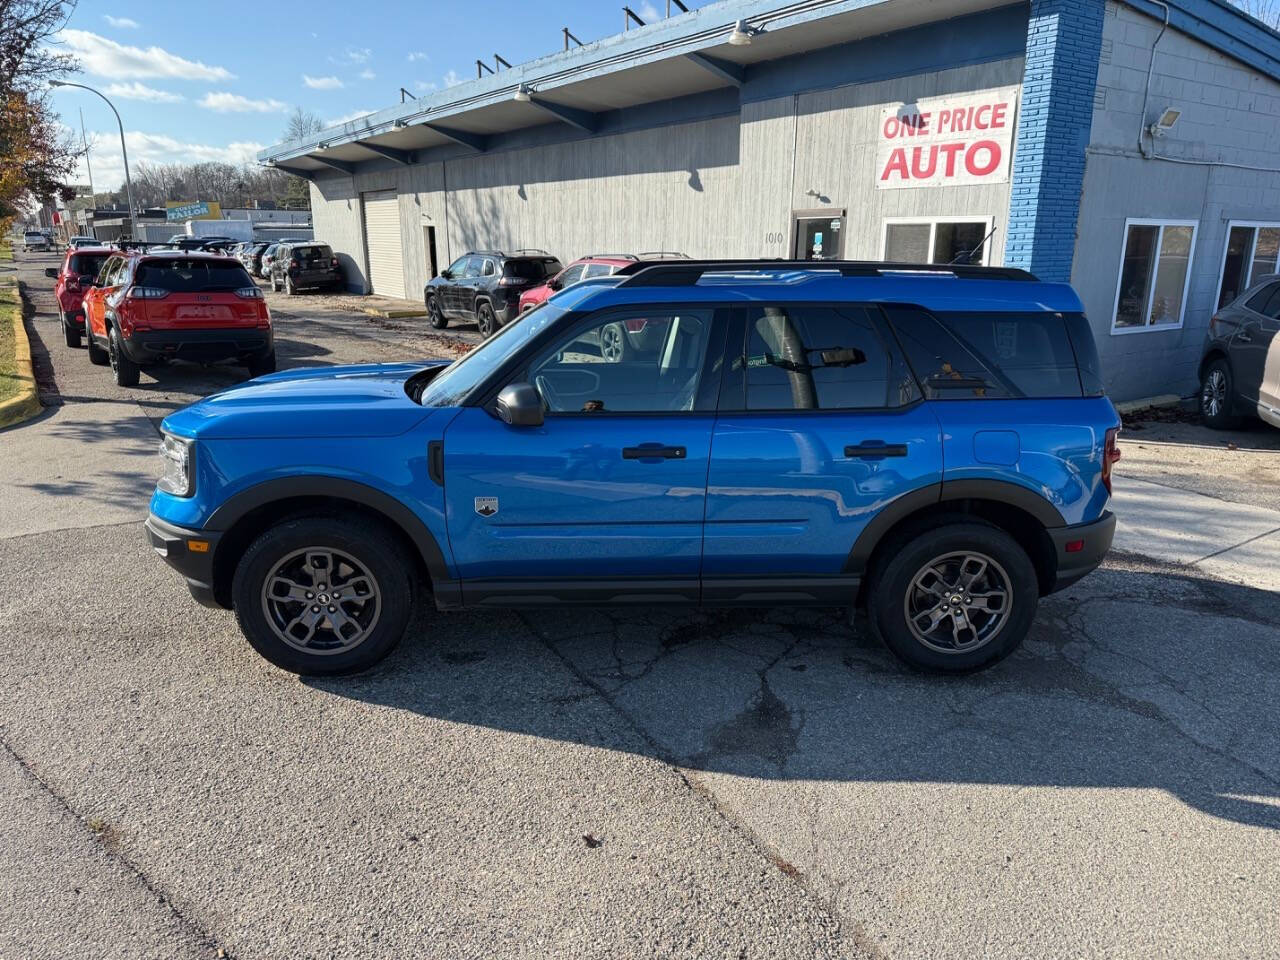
182,275
572,275
990,355
1258,302
814,357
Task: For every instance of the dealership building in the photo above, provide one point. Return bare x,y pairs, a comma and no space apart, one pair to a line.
1131,148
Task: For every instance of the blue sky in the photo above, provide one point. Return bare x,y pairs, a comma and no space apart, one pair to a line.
215,81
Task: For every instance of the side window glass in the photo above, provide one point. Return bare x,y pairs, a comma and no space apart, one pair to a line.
472,268
597,270
811,357
457,267
1031,352
1258,302
108,265
1273,304
572,275
488,268
637,363
946,369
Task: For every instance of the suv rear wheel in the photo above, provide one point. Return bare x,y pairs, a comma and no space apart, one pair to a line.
954,598
1216,389
320,595
260,366
486,320
126,370
70,333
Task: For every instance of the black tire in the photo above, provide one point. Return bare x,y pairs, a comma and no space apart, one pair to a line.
891,589
374,549
275,288
261,366
126,370
486,319
1217,388
434,314
70,333
97,356
614,347
289,289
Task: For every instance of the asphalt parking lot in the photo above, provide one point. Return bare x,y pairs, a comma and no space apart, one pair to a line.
604,784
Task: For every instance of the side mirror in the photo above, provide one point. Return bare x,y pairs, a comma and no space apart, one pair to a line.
519,405
51,273
555,283
446,274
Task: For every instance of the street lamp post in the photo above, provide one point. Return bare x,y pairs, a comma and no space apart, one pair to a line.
128,184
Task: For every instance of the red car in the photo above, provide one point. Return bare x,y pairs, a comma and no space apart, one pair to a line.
74,278
176,305
596,265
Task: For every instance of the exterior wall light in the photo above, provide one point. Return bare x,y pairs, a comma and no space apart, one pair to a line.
742,34
523,94
1167,119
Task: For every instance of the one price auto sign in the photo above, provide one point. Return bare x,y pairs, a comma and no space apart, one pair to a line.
947,141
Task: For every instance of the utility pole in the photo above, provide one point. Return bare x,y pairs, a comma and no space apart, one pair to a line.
133,227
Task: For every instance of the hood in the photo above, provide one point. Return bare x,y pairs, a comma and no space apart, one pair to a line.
365,400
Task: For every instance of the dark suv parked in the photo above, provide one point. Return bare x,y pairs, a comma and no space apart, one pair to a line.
1240,369
485,286
300,265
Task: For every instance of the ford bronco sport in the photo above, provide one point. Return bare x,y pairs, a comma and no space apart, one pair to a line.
931,443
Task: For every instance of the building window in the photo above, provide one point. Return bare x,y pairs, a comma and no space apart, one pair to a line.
1155,269
937,240
1253,249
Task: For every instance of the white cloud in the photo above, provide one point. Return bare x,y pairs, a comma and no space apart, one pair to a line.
106,58
224,102
108,169
423,86
120,23
367,75
140,91
347,118
321,83
648,12
417,55
360,55
451,79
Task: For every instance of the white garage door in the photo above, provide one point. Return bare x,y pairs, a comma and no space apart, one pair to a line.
382,235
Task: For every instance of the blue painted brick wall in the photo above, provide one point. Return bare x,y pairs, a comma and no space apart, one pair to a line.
1064,39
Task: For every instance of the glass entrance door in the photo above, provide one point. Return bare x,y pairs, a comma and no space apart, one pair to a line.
818,237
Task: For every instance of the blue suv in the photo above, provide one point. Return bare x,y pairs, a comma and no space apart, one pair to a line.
932,444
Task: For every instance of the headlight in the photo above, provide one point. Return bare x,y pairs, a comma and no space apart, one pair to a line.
176,477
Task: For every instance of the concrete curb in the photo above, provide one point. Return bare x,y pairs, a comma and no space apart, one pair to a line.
1164,400
394,314
27,403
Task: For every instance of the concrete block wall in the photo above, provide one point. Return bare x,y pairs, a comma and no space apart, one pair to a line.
1230,115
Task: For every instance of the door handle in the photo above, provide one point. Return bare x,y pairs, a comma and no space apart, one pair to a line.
875,450
653,451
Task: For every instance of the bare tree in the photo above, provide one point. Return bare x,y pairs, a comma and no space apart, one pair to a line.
1268,11
301,124
26,63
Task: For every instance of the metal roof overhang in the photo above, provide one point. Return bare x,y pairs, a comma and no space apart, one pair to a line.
687,54
684,55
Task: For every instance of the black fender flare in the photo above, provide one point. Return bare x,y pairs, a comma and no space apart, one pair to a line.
1000,491
286,488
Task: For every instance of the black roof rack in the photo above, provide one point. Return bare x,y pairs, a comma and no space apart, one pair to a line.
663,255
522,252
685,273
610,256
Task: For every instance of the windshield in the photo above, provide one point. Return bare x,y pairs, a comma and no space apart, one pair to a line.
451,387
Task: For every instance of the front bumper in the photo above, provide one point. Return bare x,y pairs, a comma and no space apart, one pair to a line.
1079,549
174,544
199,346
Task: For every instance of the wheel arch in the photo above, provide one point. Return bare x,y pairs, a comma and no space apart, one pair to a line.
1019,512
242,517
1216,352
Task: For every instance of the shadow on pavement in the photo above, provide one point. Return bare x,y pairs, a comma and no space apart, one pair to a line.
1098,697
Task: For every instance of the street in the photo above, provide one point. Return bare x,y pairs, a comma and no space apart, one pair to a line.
739,783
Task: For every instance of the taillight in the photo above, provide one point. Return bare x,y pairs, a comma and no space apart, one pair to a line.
333,262
249,293
146,293
1110,454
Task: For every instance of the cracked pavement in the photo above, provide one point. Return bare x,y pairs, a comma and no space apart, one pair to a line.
726,783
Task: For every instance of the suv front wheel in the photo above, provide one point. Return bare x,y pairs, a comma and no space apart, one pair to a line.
954,598
1215,396
320,595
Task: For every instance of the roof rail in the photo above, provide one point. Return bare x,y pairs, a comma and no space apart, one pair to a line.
528,250
689,272
610,256
663,255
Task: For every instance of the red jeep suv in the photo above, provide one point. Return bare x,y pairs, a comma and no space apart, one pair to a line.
595,265
177,305
79,267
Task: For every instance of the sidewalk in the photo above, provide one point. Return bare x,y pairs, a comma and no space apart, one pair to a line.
1231,540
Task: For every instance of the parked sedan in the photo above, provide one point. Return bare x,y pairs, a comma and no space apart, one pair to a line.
1240,368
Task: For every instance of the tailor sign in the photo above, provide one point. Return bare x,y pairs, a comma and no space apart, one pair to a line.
193,211
947,141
